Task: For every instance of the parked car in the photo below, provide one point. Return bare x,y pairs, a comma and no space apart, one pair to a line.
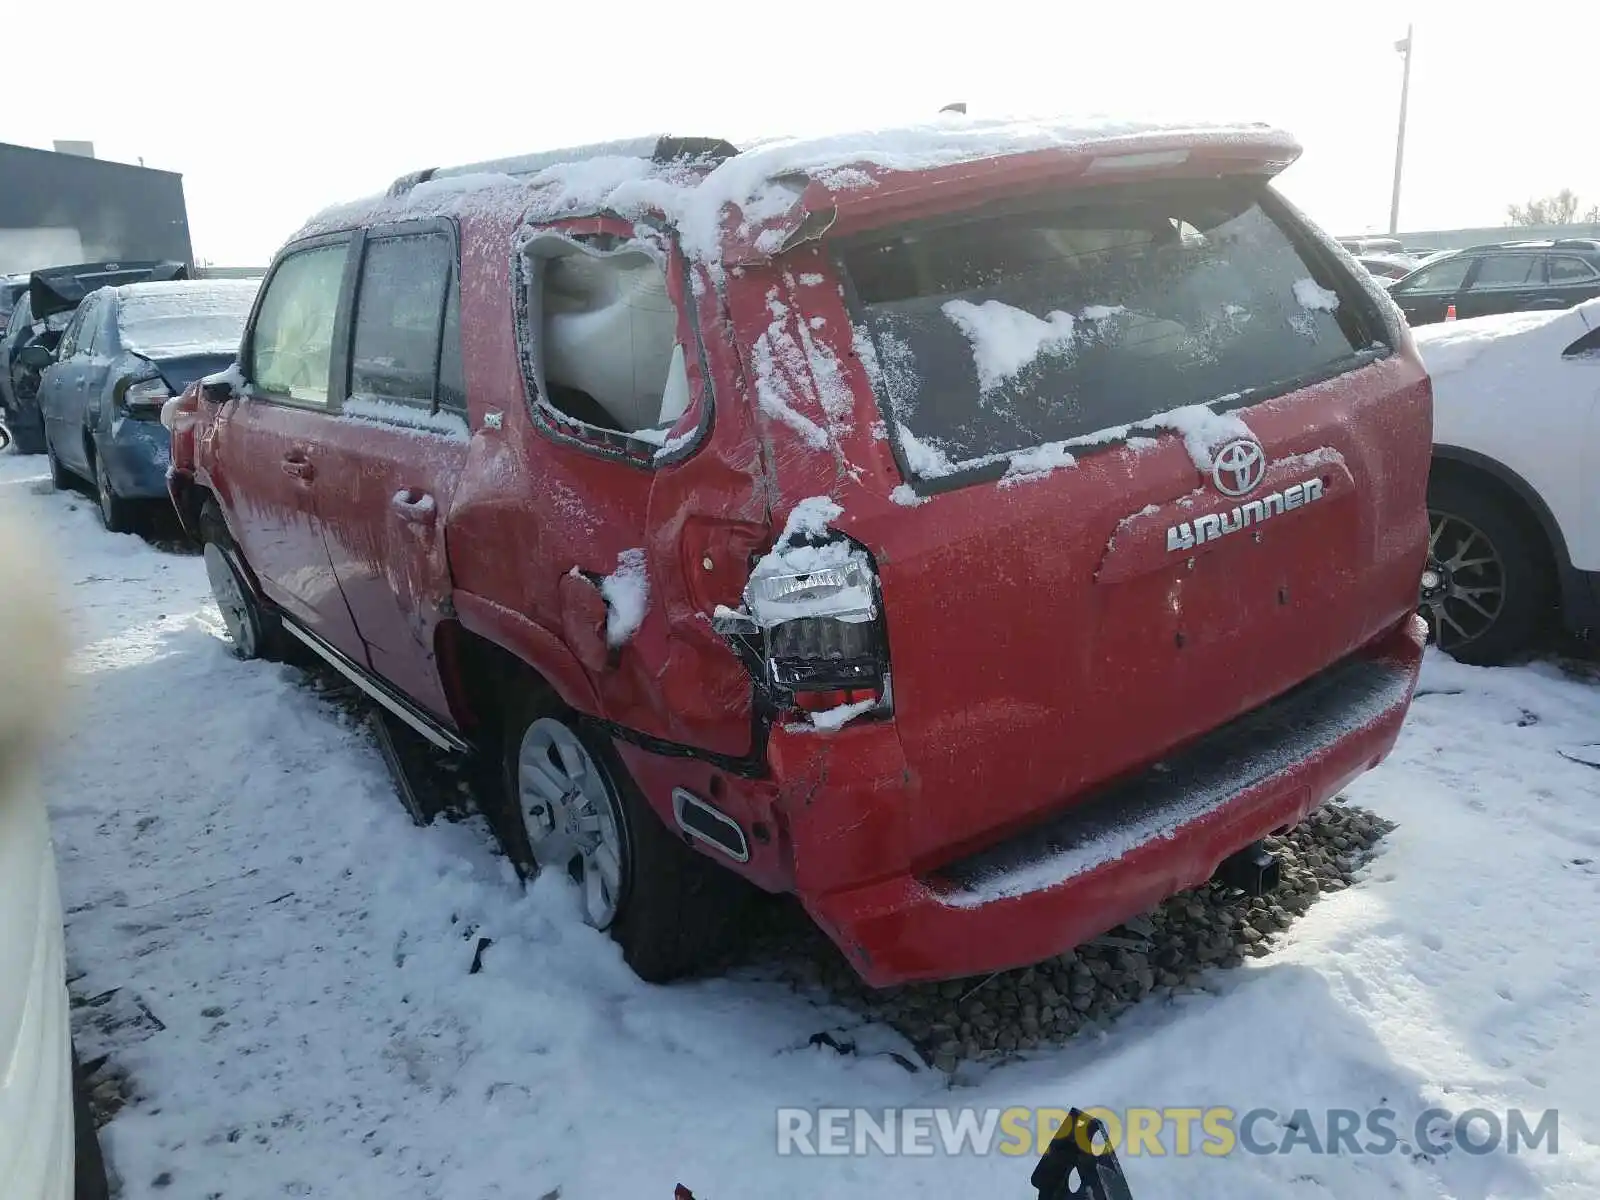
1506,277
1386,268
983,555
1372,245
39,319
45,1124
11,287
126,352
19,383
1514,513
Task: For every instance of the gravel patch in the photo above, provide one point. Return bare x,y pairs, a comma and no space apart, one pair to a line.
1164,953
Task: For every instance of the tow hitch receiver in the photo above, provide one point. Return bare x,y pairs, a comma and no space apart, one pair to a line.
1080,1164
1254,870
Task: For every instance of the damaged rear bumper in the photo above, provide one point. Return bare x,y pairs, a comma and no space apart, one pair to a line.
1118,854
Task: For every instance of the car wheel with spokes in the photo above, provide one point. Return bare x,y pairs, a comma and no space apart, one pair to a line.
572,816
569,806
253,628
116,514
1486,586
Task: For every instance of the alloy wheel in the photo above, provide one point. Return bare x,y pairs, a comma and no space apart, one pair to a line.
572,816
231,599
1463,586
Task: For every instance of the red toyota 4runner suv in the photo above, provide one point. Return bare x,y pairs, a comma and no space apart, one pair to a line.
981,532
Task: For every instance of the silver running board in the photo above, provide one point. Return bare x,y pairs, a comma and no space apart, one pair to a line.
403,709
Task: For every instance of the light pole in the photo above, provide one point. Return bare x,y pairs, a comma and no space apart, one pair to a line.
1404,47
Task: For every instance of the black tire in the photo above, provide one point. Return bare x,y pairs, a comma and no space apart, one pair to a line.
253,627
60,477
1519,574
89,1171
677,910
116,514
27,439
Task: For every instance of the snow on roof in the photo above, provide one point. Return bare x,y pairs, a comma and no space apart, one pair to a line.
758,181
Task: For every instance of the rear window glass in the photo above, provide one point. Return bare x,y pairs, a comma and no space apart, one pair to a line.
184,318
1003,332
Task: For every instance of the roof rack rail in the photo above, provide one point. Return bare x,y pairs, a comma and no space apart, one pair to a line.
663,148
1578,243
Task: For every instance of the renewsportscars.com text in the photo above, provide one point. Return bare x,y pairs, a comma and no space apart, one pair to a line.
1159,1132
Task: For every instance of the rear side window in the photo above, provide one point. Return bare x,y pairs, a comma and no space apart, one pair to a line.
21,318
1566,269
68,345
1506,270
452,385
291,346
89,331
400,315
1447,276
998,333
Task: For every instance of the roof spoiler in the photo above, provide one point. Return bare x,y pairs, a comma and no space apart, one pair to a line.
663,149
62,289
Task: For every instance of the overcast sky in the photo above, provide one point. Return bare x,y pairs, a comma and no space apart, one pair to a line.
274,115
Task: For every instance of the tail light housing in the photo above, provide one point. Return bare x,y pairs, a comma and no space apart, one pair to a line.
141,398
811,628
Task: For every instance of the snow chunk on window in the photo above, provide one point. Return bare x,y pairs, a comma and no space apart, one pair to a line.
925,458
1314,296
906,496
1037,462
406,416
673,444
1202,429
840,715
1006,339
627,596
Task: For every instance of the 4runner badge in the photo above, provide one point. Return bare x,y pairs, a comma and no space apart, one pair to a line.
1187,535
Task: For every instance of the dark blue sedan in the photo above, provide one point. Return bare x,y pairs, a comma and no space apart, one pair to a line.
127,351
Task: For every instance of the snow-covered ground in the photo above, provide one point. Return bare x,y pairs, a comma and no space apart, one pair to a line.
235,863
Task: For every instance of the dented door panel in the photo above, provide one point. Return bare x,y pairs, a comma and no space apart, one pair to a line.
539,521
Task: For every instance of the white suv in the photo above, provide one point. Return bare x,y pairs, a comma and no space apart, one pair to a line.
1513,504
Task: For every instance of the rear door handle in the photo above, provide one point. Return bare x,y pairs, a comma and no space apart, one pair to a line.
298,467
415,507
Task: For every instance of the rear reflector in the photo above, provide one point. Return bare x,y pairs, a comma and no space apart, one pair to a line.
701,821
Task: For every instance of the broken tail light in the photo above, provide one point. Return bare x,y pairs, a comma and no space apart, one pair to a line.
810,630
141,398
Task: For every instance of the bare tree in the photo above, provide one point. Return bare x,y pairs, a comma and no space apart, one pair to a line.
1558,209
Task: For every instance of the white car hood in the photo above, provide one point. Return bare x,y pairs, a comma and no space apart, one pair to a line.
1451,347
